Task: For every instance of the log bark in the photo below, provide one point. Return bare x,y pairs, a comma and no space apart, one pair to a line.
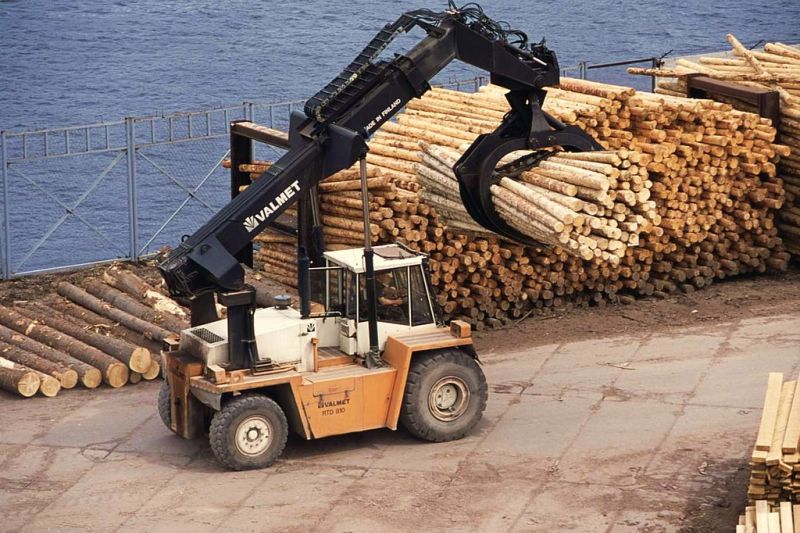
741,51
128,282
67,377
89,376
124,302
81,297
114,373
100,324
19,381
545,182
265,291
354,185
48,385
136,358
783,50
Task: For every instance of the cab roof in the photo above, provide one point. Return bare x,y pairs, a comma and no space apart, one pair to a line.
386,257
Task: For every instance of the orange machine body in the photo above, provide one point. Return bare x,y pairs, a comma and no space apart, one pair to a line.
340,396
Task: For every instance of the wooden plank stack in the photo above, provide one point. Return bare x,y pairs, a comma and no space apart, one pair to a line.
775,476
775,460
775,67
690,184
763,518
108,332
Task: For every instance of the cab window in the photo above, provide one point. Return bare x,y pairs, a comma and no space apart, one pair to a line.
351,285
420,304
327,291
391,294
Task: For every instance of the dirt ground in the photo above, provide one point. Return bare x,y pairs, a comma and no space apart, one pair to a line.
641,433
725,301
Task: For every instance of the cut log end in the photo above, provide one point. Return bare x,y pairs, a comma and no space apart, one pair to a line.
140,360
152,372
116,375
49,386
134,377
92,378
68,378
28,384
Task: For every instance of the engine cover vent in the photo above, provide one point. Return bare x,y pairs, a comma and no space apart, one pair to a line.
207,335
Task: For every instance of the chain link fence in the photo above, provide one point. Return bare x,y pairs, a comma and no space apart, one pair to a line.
122,190
118,190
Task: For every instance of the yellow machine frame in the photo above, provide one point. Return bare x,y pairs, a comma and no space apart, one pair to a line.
340,396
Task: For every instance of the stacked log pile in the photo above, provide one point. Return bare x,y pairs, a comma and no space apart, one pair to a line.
690,184
775,477
559,202
396,212
776,67
107,331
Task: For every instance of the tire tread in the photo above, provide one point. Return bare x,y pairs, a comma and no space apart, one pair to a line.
411,420
164,405
222,420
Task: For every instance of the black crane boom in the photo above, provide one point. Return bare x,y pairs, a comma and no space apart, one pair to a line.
331,135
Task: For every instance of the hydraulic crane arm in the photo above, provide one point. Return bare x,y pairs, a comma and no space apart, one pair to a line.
331,134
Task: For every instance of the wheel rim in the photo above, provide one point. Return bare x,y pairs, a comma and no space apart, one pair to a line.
448,398
254,435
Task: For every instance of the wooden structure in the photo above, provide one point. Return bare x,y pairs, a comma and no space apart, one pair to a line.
691,194
775,477
758,81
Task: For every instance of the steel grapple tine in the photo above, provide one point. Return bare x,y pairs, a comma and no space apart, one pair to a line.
475,170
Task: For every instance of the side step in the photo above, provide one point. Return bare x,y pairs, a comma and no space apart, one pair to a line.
329,357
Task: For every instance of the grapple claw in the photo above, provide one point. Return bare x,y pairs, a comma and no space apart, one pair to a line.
532,129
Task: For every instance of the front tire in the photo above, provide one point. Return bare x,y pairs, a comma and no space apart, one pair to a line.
248,432
164,405
445,396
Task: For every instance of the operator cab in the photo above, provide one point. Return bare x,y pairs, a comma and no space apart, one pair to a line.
338,318
403,297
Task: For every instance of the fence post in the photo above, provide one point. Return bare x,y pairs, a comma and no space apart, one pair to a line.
6,259
249,111
582,71
656,64
133,219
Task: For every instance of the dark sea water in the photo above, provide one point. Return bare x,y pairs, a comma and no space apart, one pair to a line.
74,61
71,62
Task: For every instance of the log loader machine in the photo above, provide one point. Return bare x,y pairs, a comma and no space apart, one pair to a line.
354,356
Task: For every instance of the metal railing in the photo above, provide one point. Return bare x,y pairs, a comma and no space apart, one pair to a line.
581,70
121,190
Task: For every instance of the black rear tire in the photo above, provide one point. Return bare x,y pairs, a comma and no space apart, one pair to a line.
248,432
164,410
445,396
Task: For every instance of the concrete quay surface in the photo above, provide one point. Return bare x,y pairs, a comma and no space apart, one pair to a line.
640,433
